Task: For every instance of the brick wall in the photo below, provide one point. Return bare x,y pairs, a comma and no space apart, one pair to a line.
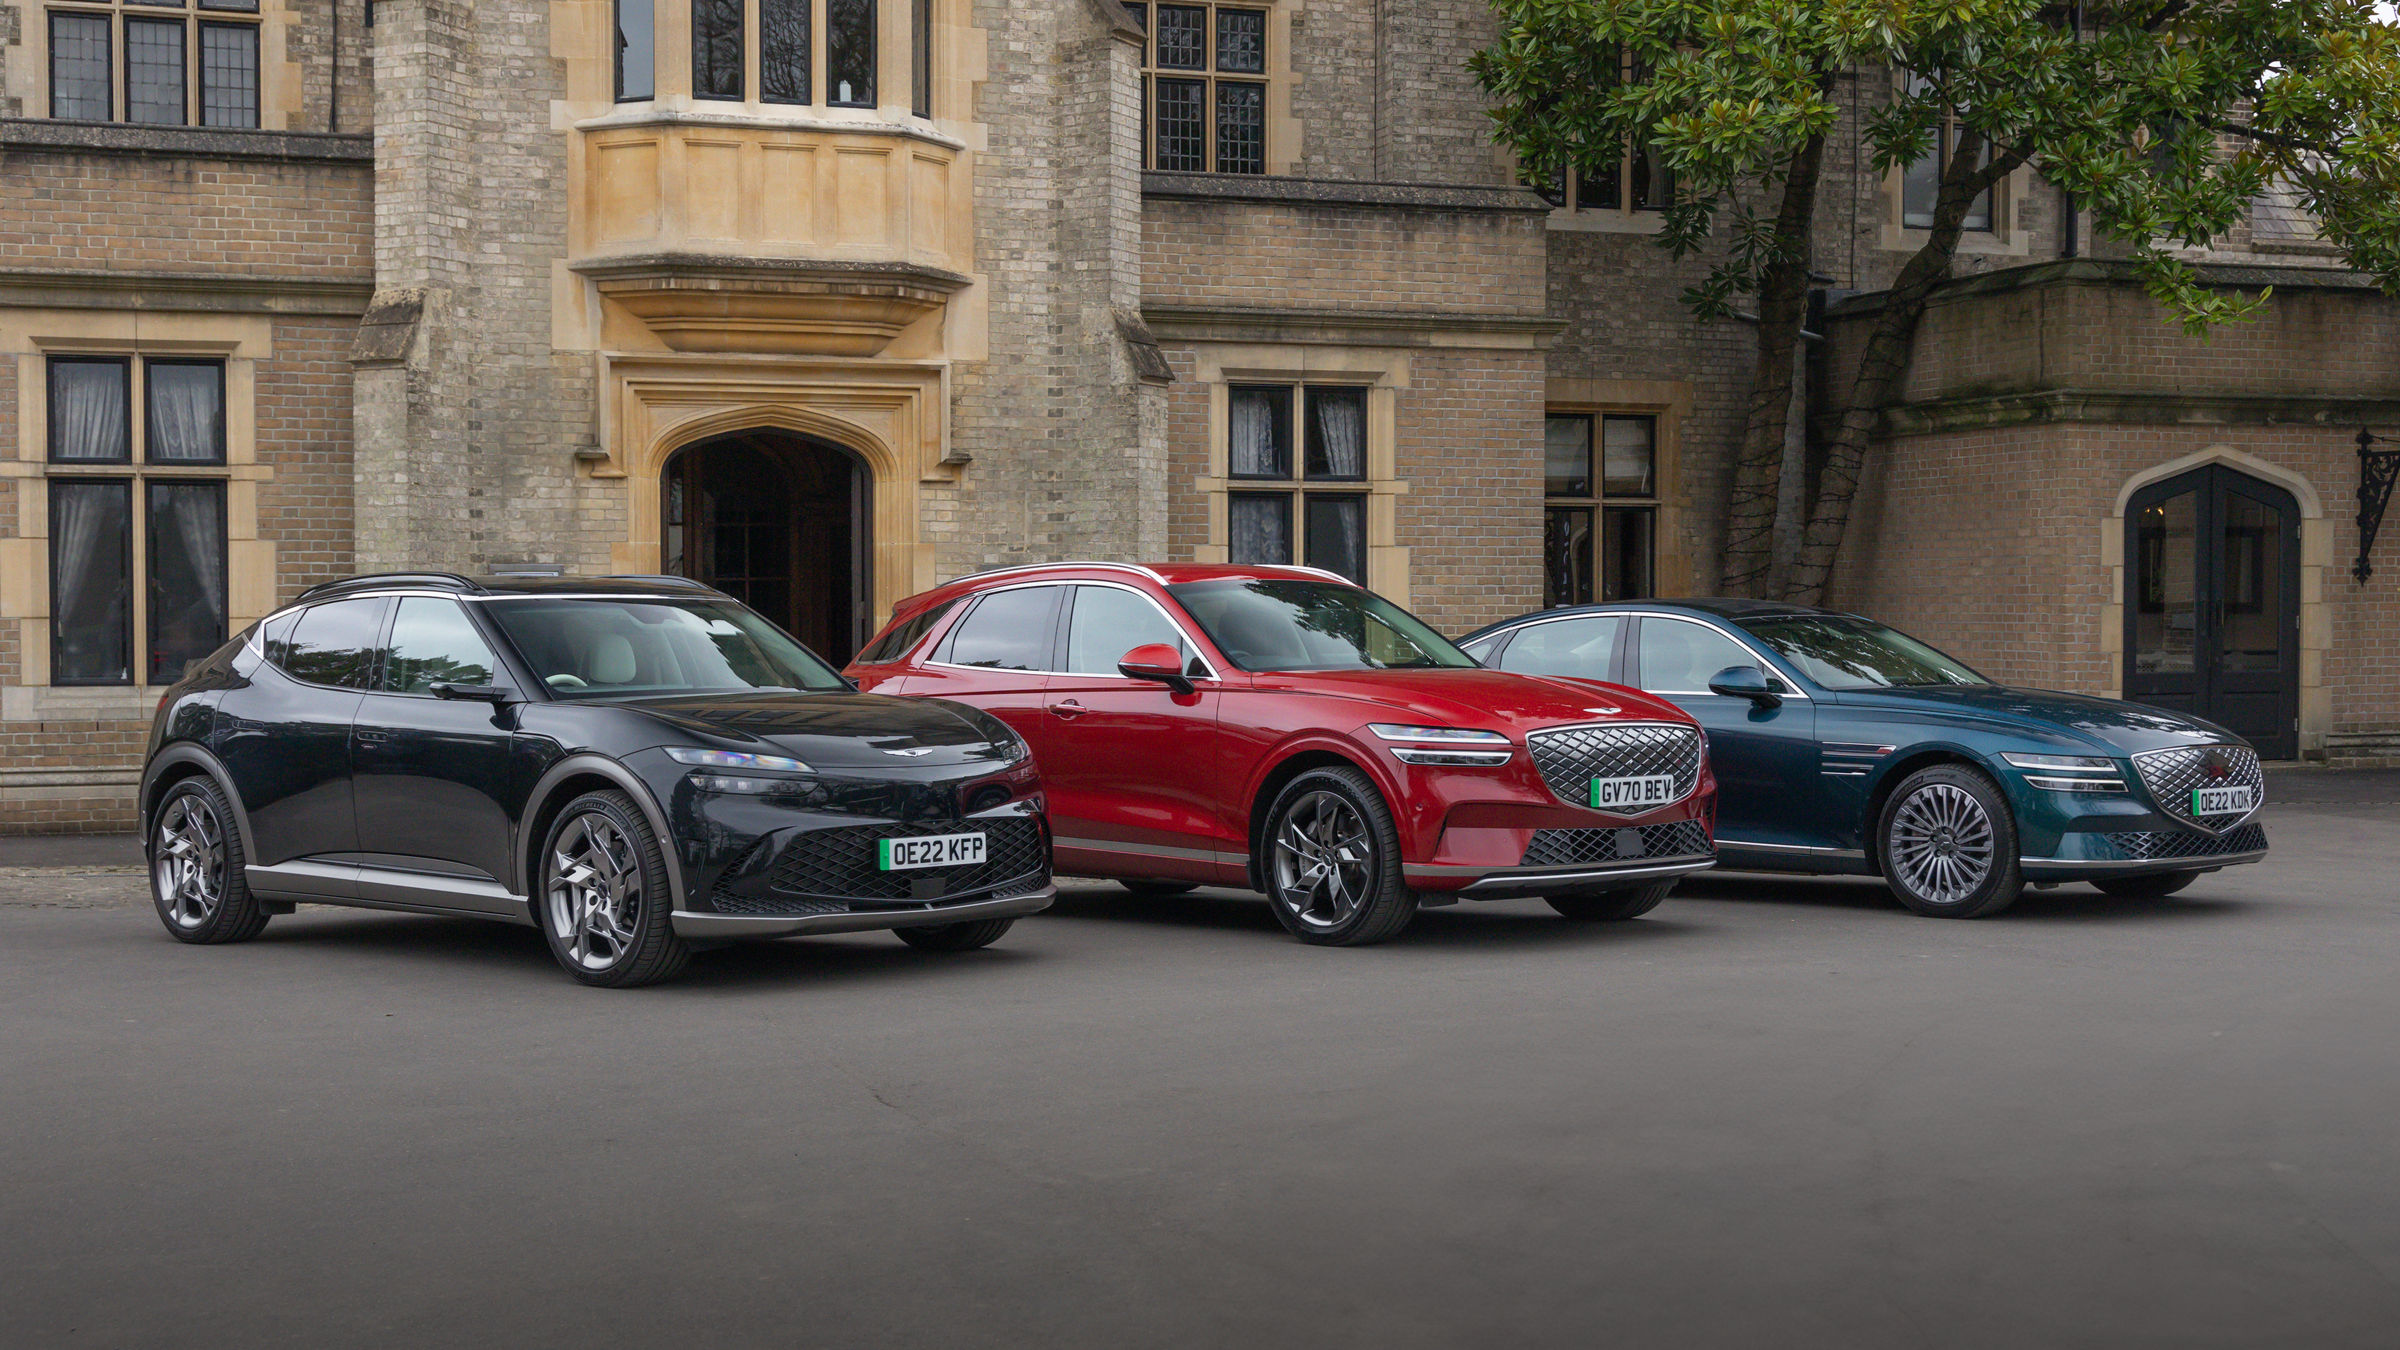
1307,256
183,214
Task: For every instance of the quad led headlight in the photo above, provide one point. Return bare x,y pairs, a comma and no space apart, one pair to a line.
1454,746
2069,773
739,766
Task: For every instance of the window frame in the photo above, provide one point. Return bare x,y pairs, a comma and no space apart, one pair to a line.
1298,488
1565,192
133,571
1994,234
1210,76
1600,502
817,78
194,17
149,578
386,650
1196,665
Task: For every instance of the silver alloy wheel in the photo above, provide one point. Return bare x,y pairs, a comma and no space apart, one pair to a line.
595,891
1324,860
1942,843
188,866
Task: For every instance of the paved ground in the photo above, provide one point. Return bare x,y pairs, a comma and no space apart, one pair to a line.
1774,1112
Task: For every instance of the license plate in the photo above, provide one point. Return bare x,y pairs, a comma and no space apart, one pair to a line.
1633,794
2222,801
941,850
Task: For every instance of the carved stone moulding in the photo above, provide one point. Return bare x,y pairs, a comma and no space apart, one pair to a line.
699,302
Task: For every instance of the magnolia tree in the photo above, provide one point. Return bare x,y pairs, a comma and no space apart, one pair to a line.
2163,118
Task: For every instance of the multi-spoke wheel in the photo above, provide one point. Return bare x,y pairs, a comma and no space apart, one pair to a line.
1949,845
1333,861
604,904
196,867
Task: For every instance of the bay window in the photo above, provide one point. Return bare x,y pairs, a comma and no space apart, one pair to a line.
772,51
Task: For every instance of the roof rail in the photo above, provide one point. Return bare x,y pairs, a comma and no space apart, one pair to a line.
1134,568
446,581
662,579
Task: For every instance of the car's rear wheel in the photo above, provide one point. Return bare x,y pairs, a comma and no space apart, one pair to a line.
2148,886
197,876
956,937
605,905
1157,889
1333,861
1625,902
1949,844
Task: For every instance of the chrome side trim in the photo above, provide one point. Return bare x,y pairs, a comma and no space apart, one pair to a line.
324,882
1545,879
428,890
2070,868
1151,851
690,925
1803,850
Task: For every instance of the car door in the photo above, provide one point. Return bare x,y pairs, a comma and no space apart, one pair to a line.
285,740
998,658
437,786
1117,764
1769,791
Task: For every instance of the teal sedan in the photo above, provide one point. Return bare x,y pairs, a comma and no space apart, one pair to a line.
1844,746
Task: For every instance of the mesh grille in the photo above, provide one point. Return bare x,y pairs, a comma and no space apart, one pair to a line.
1571,757
840,863
1567,848
2172,774
2154,845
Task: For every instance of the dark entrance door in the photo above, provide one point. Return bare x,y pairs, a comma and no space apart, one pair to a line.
2212,618
779,522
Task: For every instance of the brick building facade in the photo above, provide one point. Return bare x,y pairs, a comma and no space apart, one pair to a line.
829,300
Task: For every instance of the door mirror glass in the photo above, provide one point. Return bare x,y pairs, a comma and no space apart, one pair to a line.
1744,682
1156,661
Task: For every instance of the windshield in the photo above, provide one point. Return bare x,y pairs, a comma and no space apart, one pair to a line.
1840,652
595,648
1313,625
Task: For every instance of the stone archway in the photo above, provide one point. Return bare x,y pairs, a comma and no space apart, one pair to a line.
781,522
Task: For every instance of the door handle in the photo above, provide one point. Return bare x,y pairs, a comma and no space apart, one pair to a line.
373,737
1068,709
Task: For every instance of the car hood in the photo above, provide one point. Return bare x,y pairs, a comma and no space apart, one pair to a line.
840,729
1483,699
2126,728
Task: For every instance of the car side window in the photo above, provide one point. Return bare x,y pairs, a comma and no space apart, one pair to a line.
434,642
896,643
335,644
1108,622
1585,649
1007,630
1678,657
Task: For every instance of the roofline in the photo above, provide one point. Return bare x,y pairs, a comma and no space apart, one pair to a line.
439,581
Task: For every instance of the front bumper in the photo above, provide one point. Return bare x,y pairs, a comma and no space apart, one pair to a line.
861,920
2119,853
1509,883
1578,858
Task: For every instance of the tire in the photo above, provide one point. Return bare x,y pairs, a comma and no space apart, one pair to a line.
2148,886
198,881
604,903
1332,866
956,937
1626,902
1151,890
1949,845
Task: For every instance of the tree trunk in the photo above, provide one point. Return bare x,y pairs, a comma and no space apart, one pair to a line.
1782,308
1886,362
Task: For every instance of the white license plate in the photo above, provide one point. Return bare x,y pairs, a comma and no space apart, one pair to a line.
2223,801
941,850
1633,794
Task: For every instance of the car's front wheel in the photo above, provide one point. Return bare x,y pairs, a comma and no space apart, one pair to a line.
1333,861
605,905
197,876
956,937
1949,844
1625,902
2148,886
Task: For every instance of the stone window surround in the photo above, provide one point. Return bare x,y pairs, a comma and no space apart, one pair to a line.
30,338
25,67
1670,401
1382,372
2008,237
1284,130
2316,560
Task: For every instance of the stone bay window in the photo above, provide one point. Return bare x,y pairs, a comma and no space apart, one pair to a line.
789,53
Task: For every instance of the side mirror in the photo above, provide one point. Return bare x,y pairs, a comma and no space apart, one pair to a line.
1158,663
1745,682
473,693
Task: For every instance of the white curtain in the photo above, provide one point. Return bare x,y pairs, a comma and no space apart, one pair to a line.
195,515
1252,415
88,420
187,407
88,603
1342,432
1261,528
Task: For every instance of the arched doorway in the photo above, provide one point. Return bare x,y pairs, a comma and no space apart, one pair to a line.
2212,605
780,522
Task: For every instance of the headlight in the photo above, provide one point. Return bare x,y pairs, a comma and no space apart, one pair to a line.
1457,747
2069,773
735,759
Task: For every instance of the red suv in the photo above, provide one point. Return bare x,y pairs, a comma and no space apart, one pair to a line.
1282,729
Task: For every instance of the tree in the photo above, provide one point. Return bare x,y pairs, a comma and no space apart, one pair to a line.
2164,118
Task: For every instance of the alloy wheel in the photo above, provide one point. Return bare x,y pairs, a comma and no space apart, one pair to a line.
1324,860
189,863
1942,843
595,891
